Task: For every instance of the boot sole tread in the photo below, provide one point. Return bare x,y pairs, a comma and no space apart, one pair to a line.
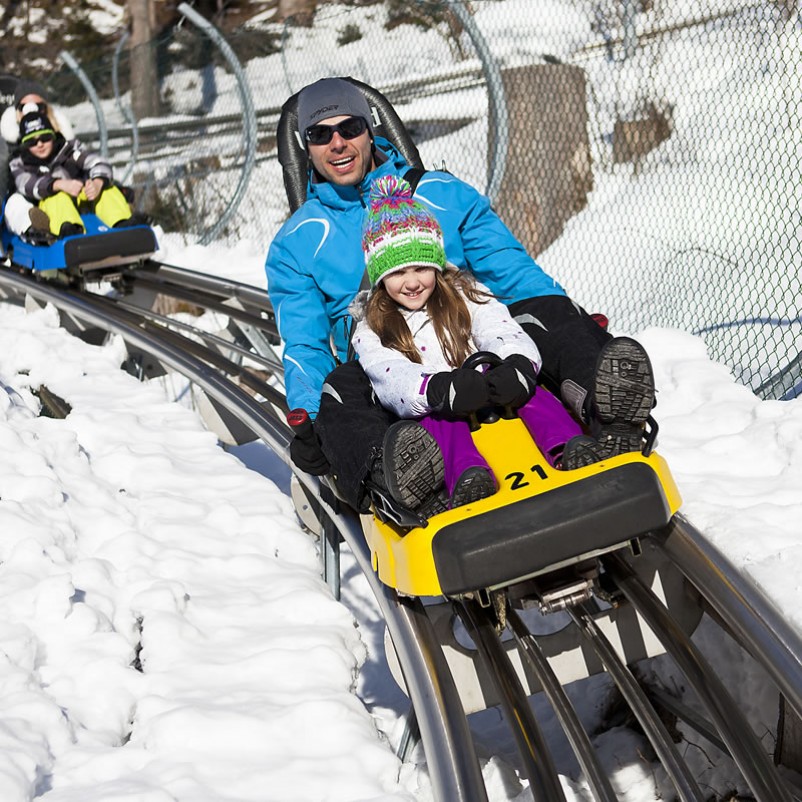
474,485
413,464
624,389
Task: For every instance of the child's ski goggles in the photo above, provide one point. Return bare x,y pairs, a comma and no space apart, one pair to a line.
32,140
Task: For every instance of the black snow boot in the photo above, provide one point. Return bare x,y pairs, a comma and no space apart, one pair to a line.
580,451
623,397
413,464
405,480
474,484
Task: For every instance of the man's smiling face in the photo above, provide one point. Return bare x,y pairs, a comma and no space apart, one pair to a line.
343,161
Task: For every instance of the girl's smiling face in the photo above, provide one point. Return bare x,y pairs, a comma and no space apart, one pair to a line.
43,148
411,287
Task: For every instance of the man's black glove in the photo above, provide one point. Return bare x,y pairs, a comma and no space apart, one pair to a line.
513,382
305,450
458,392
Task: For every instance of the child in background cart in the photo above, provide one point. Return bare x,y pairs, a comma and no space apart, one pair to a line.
21,216
64,177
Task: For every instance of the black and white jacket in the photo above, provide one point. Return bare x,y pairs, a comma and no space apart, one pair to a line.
70,159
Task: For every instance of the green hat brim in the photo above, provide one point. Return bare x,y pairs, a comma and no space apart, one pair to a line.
35,134
393,257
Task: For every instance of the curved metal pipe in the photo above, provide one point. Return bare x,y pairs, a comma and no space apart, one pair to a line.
534,751
207,337
598,781
754,620
226,287
684,782
499,143
250,119
734,729
214,303
103,133
115,80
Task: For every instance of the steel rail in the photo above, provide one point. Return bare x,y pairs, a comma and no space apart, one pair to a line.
272,365
677,770
685,784
530,650
752,619
759,624
745,749
261,338
534,751
448,743
754,622
144,322
200,298
214,285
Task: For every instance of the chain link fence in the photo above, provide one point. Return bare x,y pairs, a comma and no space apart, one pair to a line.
646,152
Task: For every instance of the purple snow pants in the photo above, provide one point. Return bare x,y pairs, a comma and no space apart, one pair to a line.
549,423
545,418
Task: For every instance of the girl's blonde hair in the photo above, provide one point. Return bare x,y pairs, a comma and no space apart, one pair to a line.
447,310
48,112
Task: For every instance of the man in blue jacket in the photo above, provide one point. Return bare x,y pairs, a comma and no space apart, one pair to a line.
315,267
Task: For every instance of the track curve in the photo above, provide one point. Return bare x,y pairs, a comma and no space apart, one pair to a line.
454,768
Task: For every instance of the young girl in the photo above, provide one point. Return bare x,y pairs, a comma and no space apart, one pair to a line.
415,328
60,174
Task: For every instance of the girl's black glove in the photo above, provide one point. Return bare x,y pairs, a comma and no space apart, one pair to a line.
458,392
513,382
305,450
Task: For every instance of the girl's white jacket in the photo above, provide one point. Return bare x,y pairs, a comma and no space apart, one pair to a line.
400,384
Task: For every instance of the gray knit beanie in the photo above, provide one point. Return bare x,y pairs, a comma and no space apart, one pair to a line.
331,97
25,87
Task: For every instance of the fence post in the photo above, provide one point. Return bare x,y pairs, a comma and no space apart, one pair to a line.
67,58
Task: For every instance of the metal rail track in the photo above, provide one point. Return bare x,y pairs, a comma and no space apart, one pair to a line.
444,730
157,145
729,724
451,756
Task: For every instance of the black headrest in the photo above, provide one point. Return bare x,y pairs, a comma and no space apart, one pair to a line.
8,86
292,155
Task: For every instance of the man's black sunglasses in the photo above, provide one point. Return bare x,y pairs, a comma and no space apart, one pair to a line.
349,128
33,142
